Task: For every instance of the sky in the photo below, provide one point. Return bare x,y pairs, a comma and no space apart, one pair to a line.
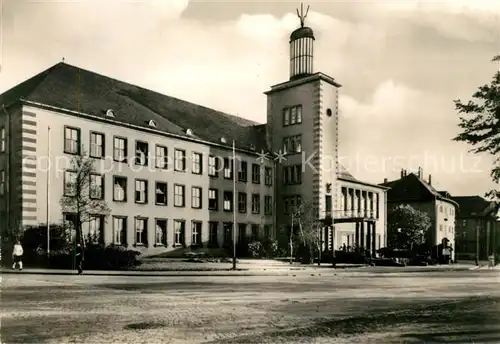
401,64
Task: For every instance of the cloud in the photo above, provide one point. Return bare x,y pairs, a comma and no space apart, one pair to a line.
385,67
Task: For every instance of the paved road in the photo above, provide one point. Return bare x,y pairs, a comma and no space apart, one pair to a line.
362,307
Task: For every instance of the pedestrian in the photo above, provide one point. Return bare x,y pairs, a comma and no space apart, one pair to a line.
491,259
17,256
79,258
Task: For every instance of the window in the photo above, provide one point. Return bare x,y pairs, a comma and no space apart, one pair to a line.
141,191
242,172
268,176
179,230
212,234
213,166
70,183
267,231
440,228
196,233
95,229
242,202
464,223
268,205
242,232
71,140
120,189
228,233
141,231
292,144
196,197
440,208
96,186
2,140
96,145
120,149
228,168
228,201
292,204
119,230
213,199
161,157
292,115
377,203
328,204
255,232
179,195
197,163
180,160
141,153
292,175
2,182
255,203
161,193
161,232
255,173
286,117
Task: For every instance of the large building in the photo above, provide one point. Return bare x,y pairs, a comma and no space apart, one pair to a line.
163,165
478,228
412,189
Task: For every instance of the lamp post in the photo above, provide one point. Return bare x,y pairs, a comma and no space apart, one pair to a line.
477,243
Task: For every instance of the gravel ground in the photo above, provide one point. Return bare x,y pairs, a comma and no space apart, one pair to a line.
436,307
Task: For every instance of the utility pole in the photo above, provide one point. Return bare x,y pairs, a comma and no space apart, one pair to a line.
477,242
234,206
48,192
291,240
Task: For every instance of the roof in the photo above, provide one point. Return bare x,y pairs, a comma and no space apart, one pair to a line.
302,32
75,89
413,188
475,206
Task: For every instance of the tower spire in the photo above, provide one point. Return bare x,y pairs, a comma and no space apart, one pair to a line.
302,16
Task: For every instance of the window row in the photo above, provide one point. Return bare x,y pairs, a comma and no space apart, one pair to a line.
447,210
181,236
73,186
355,203
120,154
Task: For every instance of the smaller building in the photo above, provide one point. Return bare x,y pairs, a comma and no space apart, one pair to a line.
412,189
478,227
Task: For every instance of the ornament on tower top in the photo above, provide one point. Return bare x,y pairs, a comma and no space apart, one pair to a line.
302,16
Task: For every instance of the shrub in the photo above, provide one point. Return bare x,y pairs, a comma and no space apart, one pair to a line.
255,248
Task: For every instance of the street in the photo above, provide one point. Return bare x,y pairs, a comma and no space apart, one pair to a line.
345,307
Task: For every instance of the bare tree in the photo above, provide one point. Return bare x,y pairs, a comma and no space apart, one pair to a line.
310,228
84,195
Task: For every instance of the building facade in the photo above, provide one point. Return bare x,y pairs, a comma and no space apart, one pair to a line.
478,226
413,190
165,166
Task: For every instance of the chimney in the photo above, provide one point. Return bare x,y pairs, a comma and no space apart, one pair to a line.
385,180
419,173
430,180
402,173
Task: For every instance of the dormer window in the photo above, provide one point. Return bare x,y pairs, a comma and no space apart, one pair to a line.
152,123
223,140
189,132
110,113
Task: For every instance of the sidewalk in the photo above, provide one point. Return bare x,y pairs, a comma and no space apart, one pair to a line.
293,270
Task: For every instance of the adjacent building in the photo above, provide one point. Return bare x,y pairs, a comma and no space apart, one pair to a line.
165,166
477,228
412,189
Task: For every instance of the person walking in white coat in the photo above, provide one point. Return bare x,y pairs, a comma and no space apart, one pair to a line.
17,255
